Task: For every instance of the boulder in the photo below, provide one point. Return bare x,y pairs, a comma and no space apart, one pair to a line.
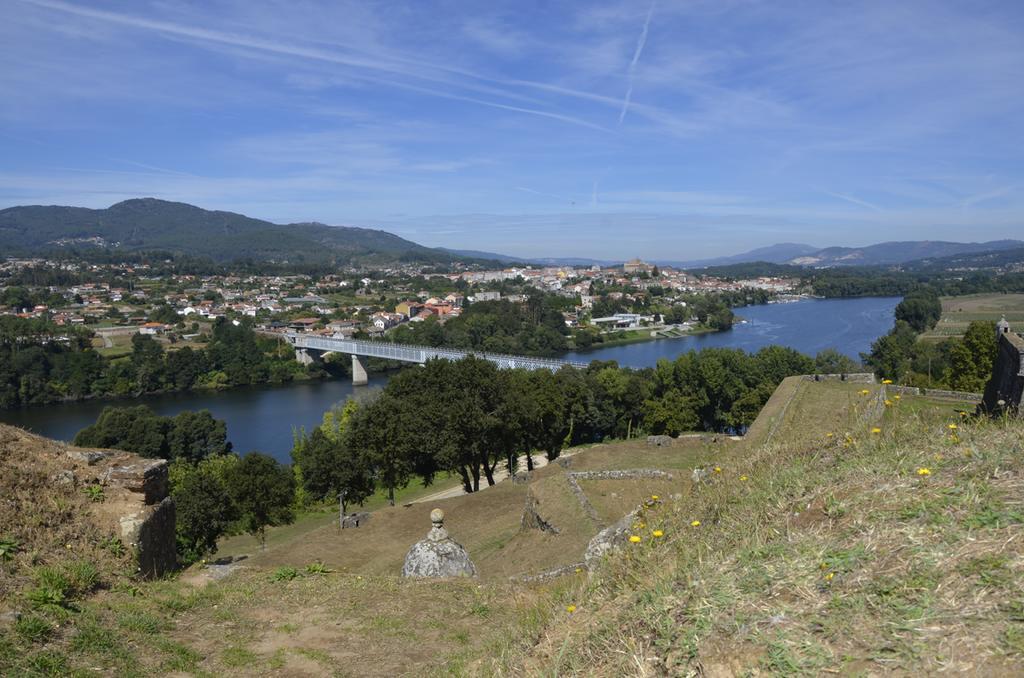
355,519
532,519
609,539
660,441
438,556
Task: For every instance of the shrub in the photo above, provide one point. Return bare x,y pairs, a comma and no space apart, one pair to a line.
52,588
33,629
285,574
8,547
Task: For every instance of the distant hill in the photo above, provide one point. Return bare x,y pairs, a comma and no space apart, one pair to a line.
148,224
892,253
997,259
779,253
545,261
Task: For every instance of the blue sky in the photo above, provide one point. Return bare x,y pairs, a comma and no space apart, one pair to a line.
672,130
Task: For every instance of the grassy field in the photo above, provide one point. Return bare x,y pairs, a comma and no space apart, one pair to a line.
892,546
896,552
959,312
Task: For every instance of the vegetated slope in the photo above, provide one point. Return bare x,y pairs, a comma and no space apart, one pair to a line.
997,259
891,550
148,224
778,253
331,601
890,253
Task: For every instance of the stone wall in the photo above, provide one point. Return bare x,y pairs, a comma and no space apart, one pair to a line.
1005,388
853,377
136,506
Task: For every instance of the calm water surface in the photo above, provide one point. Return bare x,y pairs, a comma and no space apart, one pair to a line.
265,418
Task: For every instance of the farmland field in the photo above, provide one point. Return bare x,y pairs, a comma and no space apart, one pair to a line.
959,312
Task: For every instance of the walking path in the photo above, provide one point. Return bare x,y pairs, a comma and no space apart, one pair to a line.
500,474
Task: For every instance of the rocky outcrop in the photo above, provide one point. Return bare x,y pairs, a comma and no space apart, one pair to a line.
106,493
532,519
136,503
438,556
660,441
355,519
609,539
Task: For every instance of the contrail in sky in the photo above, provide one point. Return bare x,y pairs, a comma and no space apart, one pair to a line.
855,201
632,64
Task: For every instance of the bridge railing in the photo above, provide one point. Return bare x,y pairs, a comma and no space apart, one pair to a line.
421,354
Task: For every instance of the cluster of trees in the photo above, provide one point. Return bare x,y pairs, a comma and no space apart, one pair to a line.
190,436
216,492
536,327
464,418
961,364
468,417
42,363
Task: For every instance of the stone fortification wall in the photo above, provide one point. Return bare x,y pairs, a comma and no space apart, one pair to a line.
137,506
854,377
104,493
1005,388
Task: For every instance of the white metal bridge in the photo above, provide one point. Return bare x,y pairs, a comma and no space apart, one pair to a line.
307,346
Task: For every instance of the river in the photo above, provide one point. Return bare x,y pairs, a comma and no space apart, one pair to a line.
265,418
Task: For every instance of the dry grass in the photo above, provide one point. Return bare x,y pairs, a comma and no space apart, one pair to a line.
44,522
812,555
828,558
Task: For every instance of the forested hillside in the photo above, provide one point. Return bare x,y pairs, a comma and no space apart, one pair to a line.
149,224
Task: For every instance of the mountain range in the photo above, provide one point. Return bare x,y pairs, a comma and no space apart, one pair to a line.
148,224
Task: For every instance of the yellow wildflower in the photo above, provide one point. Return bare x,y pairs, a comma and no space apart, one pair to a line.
823,566
888,403
570,608
953,427
634,539
829,434
963,413
828,577
695,523
654,497
658,533
865,391
887,381
743,477
896,397
578,570
718,469
641,526
876,430
924,471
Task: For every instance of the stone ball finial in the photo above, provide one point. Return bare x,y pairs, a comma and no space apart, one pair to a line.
437,517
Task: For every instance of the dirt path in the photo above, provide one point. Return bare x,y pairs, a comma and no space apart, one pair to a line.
539,461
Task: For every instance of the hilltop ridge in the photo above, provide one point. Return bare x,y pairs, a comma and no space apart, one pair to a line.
150,224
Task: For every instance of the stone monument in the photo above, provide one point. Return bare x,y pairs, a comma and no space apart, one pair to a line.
438,555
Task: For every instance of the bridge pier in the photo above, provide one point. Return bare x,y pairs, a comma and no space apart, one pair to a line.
359,376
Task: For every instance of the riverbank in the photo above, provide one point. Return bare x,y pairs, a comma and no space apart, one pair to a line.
264,418
639,336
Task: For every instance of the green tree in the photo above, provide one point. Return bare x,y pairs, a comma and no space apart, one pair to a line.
263,491
330,466
133,429
193,436
831,361
971,359
204,511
